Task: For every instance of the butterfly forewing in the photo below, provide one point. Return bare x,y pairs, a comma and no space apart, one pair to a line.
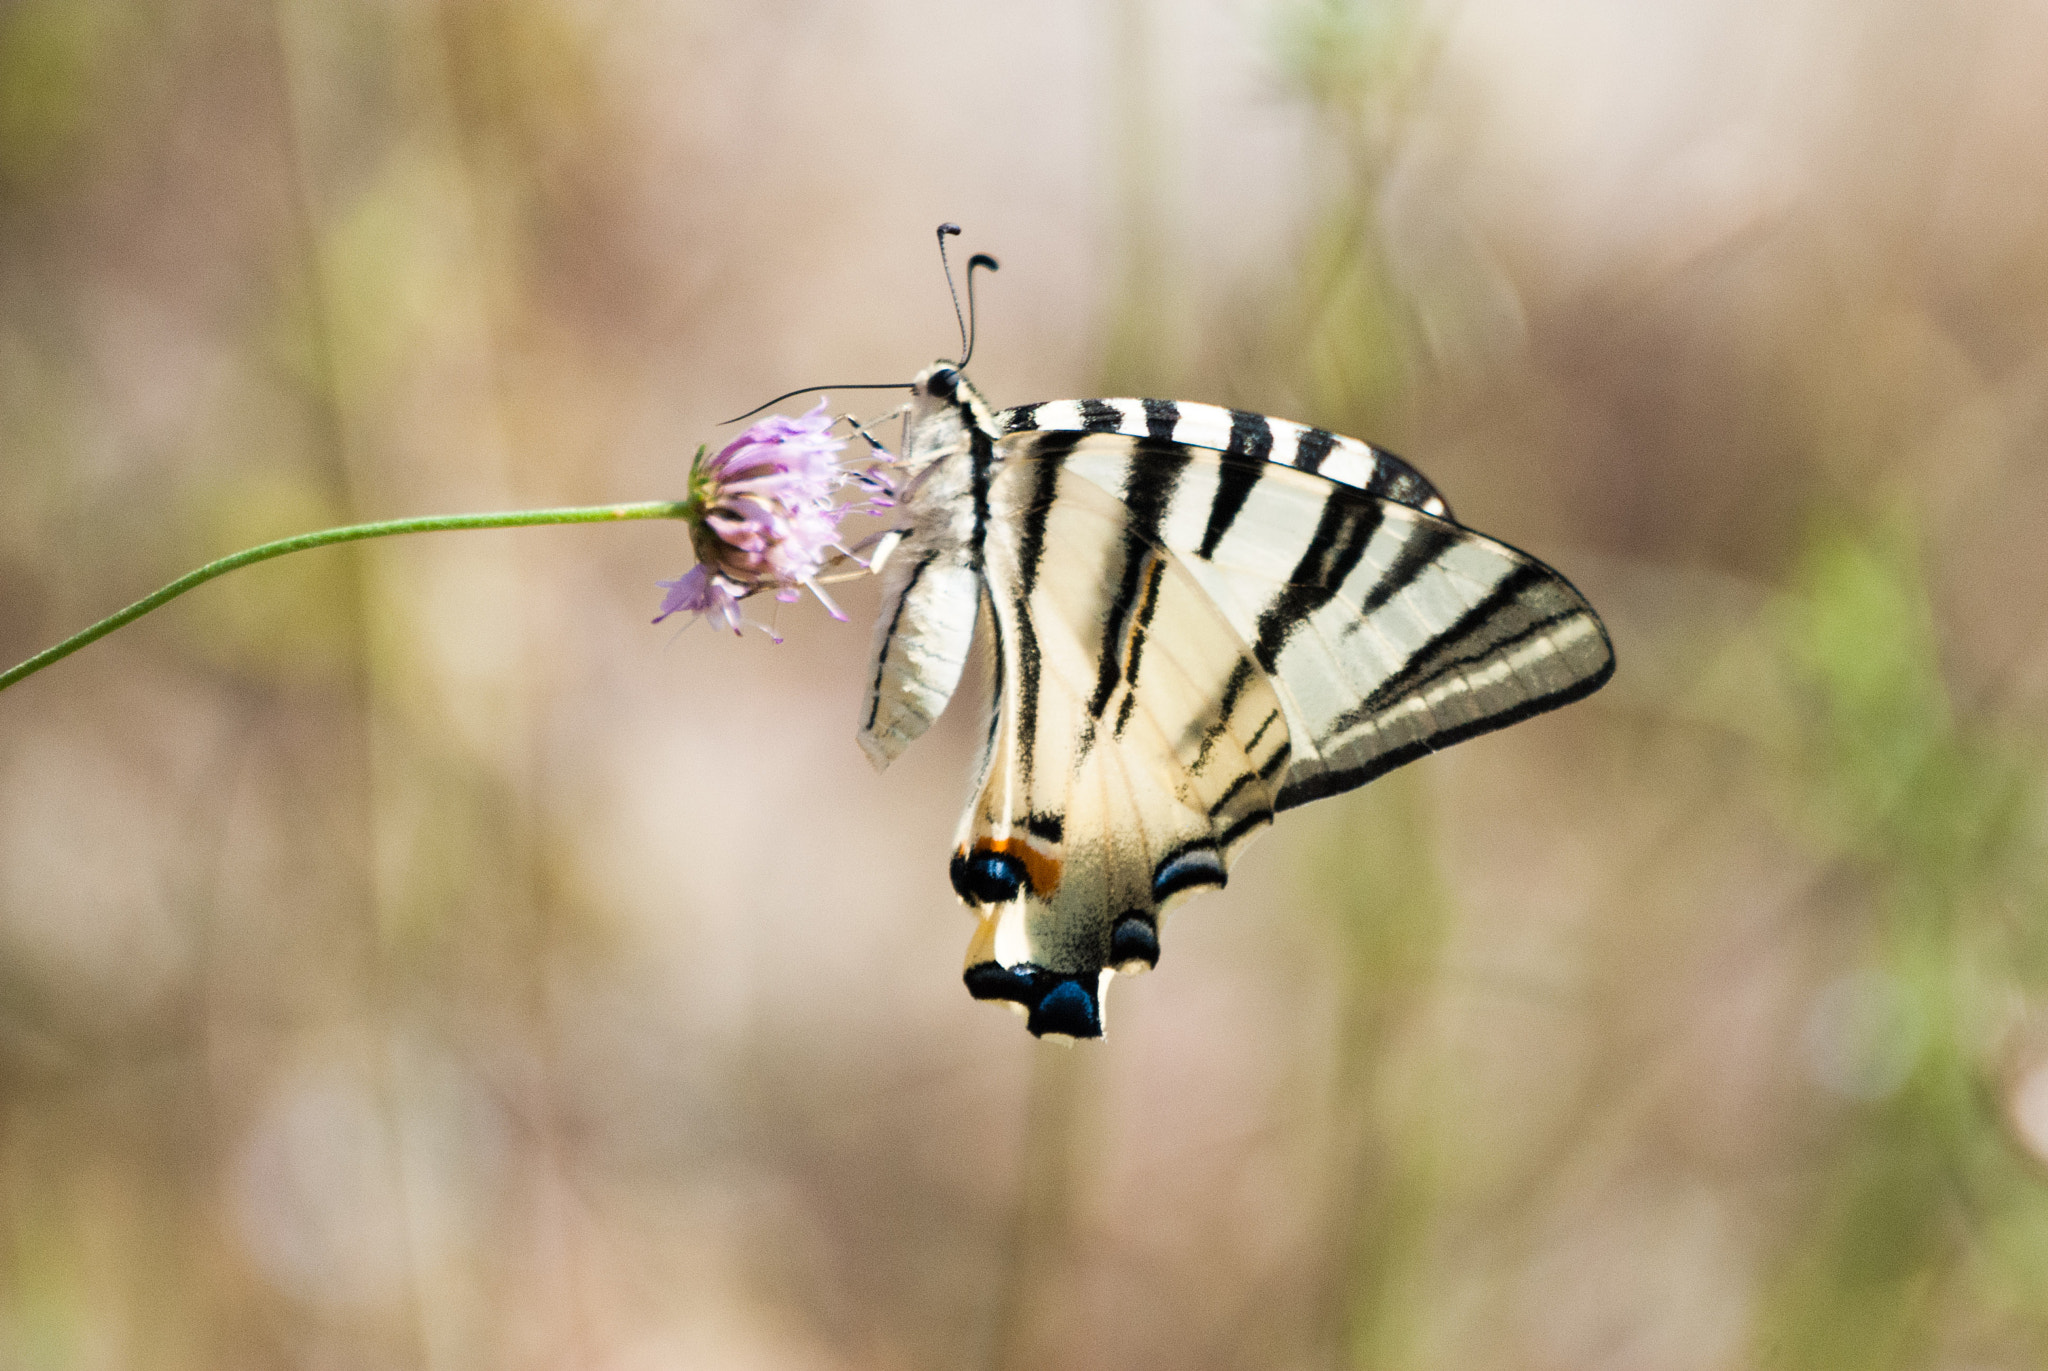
923,635
1389,632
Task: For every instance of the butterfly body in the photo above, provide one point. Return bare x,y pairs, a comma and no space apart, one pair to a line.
1197,617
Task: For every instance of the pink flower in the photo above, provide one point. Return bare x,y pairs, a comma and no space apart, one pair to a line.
762,517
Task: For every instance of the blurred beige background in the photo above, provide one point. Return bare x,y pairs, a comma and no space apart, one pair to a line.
409,957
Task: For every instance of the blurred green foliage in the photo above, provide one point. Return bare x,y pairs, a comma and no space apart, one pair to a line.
1383,902
1350,336
1924,1220
56,60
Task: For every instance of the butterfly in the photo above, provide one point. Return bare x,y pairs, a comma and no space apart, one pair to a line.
1196,617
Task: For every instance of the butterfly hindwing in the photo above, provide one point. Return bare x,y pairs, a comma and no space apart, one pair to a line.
1135,747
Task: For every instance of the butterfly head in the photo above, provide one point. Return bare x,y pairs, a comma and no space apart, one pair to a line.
943,386
946,416
938,383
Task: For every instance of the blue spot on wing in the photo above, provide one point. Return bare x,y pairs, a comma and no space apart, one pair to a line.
983,878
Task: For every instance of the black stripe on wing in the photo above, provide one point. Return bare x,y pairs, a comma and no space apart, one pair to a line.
1342,535
889,640
1161,417
1117,617
1233,487
1148,491
1419,552
1099,416
1045,480
1335,781
1313,448
1500,622
1134,649
981,471
1251,435
1393,479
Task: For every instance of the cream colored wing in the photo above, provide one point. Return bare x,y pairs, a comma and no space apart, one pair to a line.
1135,746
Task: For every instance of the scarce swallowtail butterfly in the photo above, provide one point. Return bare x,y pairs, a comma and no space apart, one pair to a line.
1198,617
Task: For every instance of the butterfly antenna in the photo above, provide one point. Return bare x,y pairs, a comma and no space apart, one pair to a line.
979,259
966,323
806,390
947,231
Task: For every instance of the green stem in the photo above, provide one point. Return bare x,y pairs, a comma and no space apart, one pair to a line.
433,523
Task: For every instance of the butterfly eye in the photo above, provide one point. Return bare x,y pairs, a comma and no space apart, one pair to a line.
942,383
984,878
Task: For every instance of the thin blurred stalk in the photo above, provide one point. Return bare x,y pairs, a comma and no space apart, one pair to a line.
330,426
1346,344
1387,912
337,462
1141,319
428,784
478,46
1056,1118
1347,341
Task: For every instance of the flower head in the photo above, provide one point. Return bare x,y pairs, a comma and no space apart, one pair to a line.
762,517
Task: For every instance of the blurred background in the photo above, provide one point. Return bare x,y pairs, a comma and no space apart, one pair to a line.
409,957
